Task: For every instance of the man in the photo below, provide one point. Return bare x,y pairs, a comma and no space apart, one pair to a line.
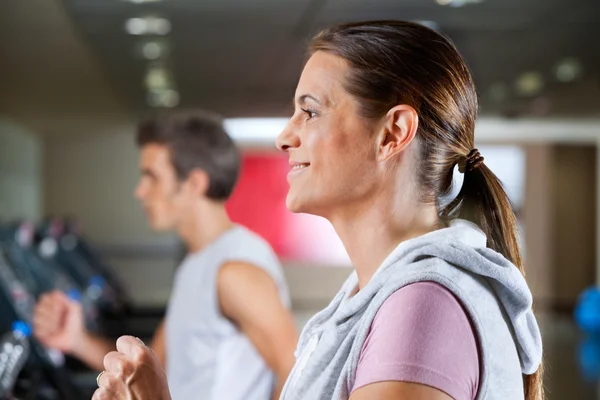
227,332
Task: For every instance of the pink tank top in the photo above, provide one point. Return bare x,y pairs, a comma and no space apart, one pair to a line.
422,334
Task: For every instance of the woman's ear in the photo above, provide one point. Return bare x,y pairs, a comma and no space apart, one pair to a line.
399,130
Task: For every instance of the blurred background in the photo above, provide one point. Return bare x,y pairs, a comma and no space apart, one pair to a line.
76,76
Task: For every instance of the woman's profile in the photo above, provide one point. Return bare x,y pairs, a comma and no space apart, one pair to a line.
438,306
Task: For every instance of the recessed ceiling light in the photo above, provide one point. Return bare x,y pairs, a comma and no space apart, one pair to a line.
148,26
168,98
158,78
153,50
568,70
136,26
160,26
529,84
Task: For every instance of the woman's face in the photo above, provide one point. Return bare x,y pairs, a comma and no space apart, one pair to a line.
332,149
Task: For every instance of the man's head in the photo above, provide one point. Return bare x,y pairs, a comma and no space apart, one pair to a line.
186,158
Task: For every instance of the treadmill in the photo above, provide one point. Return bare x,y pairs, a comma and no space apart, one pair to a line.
44,376
33,262
119,315
79,249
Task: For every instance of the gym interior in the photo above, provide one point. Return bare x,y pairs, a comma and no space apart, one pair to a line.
76,76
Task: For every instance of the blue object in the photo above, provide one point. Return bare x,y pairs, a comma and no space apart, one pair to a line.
589,359
21,327
587,311
98,281
74,295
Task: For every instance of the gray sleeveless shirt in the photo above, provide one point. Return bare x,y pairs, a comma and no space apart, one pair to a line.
207,356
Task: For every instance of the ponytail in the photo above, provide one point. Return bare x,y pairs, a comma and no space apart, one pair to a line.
483,201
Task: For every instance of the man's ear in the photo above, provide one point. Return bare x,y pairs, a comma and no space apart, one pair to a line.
198,182
399,130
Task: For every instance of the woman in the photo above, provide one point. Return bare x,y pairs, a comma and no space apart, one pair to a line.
438,307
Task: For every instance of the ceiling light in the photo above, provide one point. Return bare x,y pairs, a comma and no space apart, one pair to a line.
148,26
529,84
568,70
160,26
158,78
153,50
168,98
136,26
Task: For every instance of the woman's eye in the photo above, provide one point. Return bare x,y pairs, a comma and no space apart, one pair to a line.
310,113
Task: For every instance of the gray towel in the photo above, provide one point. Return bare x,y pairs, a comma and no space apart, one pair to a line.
491,288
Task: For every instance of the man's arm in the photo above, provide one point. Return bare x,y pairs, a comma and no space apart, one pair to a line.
249,297
158,344
91,349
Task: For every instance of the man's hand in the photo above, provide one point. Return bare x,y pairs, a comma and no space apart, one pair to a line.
133,372
58,322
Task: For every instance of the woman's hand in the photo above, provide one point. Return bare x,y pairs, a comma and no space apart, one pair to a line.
133,372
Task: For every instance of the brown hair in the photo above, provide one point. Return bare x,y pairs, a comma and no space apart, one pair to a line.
196,139
394,62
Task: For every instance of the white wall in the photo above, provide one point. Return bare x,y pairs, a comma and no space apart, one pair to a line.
92,177
21,186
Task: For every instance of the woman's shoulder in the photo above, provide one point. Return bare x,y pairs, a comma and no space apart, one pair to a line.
422,334
425,304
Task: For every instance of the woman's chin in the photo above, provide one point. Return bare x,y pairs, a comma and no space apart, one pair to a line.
303,205
296,204
293,204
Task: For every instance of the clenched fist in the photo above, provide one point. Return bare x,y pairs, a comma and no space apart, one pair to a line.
58,322
133,372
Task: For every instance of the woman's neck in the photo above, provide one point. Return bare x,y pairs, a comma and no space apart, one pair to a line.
371,233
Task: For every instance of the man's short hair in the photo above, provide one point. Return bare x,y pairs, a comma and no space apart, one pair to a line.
196,140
